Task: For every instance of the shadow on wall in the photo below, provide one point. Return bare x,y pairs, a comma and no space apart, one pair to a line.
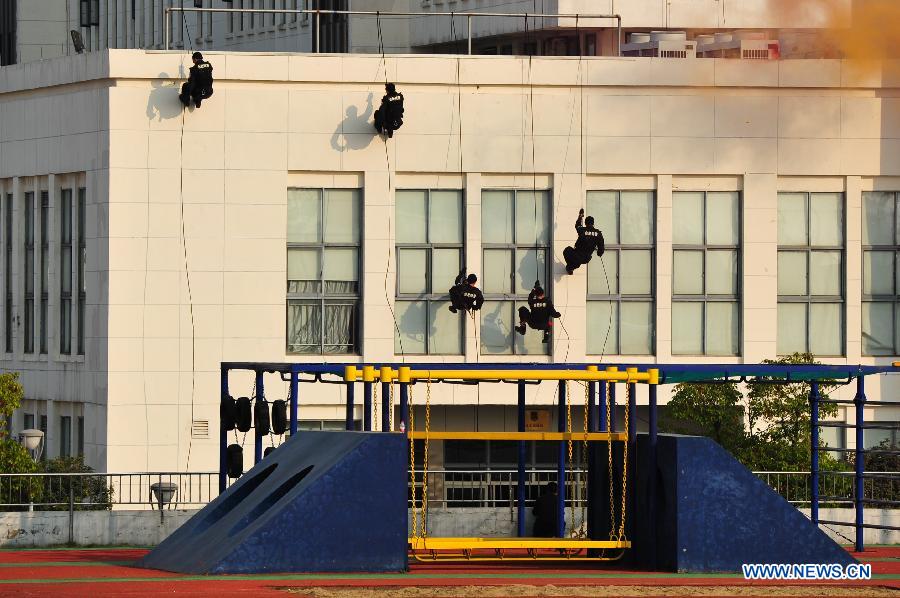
354,122
163,102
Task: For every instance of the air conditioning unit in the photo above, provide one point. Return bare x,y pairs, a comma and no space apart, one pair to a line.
748,45
660,44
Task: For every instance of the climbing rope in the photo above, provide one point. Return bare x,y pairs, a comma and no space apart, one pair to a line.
374,417
391,407
582,530
569,451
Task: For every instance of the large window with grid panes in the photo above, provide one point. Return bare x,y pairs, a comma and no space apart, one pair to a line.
515,239
323,265
621,283
810,273
429,236
706,241
881,273
28,287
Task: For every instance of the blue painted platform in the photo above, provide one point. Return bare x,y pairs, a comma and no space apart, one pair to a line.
323,501
712,514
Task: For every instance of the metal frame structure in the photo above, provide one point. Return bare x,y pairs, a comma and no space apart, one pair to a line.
378,14
602,380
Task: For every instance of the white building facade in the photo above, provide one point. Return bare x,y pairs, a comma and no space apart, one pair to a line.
749,207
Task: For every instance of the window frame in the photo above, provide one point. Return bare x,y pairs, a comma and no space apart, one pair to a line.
28,270
513,247
808,249
894,299
321,297
65,435
81,219
618,298
431,297
44,275
9,311
705,298
65,296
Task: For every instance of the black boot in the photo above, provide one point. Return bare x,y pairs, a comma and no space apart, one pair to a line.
520,329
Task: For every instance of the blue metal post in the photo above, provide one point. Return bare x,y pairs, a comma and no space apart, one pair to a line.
223,437
592,406
561,464
860,401
295,400
520,487
602,404
367,406
260,396
386,407
351,397
814,452
651,478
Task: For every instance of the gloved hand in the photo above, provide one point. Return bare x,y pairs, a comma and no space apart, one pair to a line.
581,212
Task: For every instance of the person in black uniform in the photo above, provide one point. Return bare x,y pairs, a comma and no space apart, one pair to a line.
589,240
464,295
389,117
199,85
541,314
546,512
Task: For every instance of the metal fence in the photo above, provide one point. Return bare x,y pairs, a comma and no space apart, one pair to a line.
97,491
447,488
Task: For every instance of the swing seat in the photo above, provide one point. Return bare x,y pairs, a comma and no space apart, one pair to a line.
513,543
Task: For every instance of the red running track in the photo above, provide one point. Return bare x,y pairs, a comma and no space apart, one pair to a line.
110,572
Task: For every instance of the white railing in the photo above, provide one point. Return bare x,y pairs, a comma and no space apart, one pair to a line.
378,14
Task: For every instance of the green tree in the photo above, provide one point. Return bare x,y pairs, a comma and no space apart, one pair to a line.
13,456
92,492
712,410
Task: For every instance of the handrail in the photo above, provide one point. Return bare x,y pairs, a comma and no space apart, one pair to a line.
373,13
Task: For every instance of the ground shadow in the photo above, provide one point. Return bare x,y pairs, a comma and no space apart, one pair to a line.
354,122
163,102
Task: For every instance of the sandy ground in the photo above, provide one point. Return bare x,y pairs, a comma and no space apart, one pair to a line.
595,590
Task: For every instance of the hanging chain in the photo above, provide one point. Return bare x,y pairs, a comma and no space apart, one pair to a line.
425,460
582,530
628,393
412,467
569,452
391,406
612,500
375,419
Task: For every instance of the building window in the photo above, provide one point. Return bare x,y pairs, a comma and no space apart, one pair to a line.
620,285
323,255
43,428
65,436
810,273
28,421
79,436
429,256
706,273
45,267
82,265
515,236
881,295
8,262
65,277
28,287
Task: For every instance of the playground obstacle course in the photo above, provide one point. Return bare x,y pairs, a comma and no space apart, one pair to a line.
688,505
324,501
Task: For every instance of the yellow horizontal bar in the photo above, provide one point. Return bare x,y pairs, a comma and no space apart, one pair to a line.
405,374
522,543
577,436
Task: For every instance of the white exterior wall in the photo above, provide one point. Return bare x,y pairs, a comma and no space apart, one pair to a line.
276,121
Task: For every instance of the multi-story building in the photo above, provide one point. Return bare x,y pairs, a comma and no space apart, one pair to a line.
748,206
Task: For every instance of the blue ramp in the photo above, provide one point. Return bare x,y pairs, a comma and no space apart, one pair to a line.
323,501
712,514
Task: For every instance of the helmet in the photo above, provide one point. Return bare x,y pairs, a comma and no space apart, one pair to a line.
390,88
538,290
589,221
471,279
197,56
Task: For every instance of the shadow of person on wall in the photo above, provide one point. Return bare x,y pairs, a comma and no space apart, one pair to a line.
356,123
163,102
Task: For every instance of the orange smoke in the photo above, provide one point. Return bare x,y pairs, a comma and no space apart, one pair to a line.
853,29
